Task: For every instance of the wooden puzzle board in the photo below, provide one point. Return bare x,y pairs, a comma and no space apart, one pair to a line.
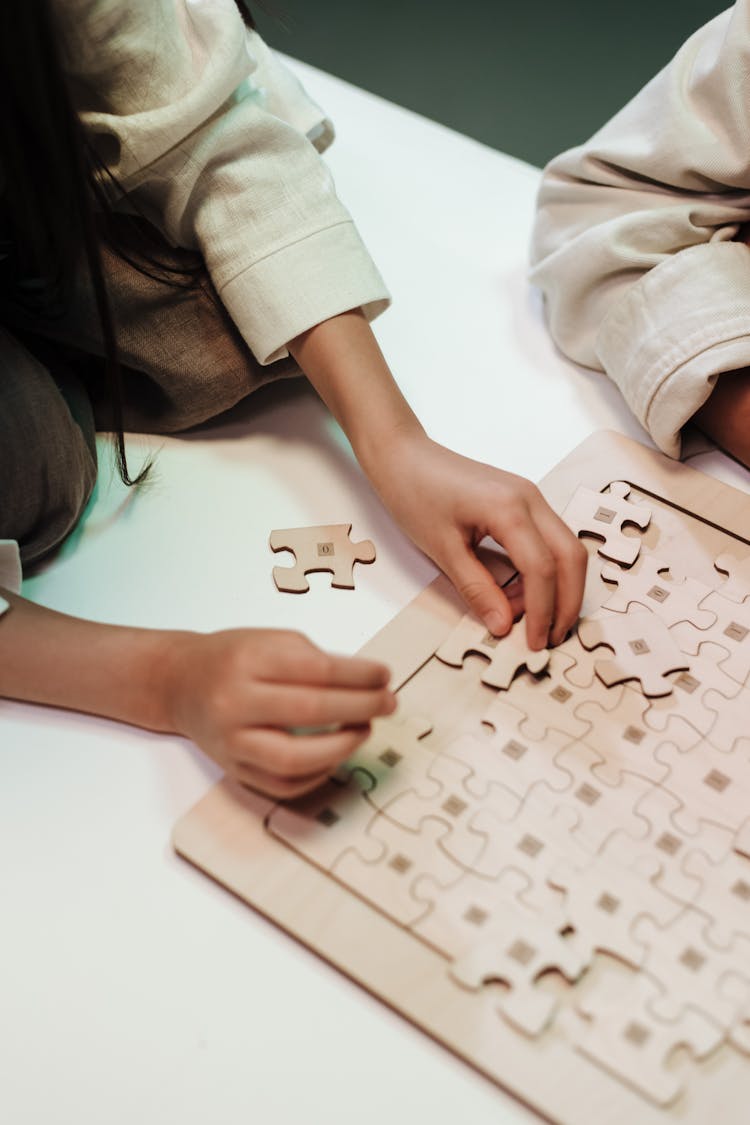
550,879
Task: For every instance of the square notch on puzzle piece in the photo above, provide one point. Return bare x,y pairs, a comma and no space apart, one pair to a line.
326,548
603,516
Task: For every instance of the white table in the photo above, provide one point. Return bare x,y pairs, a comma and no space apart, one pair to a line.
132,988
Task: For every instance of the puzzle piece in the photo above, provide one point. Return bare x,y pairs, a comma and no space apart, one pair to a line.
723,895
326,548
622,1035
603,516
396,756
519,951
506,654
730,630
711,784
603,901
689,701
736,586
643,650
389,881
653,584
323,824
507,758
690,970
625,742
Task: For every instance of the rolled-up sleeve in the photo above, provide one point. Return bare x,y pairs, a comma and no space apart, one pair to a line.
10,570
634,243
215,141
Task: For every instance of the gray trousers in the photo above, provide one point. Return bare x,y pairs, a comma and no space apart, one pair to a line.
183,363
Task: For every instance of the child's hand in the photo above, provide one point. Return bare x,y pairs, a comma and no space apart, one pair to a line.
239,694
447,504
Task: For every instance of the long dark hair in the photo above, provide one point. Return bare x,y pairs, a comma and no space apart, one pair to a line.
53,205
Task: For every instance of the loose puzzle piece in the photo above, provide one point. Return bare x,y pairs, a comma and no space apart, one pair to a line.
506,654
736,586
603,516
643,650
521,949
622,1035
326,548
652,584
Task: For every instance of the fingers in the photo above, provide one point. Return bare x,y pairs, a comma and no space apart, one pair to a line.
301,705
300,661
278,753
535,560
280,788
571,559
479,589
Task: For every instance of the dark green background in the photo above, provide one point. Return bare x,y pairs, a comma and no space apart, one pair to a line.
530,79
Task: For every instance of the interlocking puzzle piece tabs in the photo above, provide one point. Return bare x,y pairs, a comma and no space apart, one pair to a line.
603,515
389,882
396,756
731,630
323,824
689,699
603,901
690,970
622,1035
723,895
507,655
643,650
454,807
710,783
736,586
522,948
626,743
326,548
654,585
508,758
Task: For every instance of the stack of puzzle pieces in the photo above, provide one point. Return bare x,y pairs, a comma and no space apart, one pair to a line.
580,815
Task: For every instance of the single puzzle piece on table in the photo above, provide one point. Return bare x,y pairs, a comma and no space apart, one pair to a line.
688,700
505,757
396,756
388,882
506,654
723,895
603,901
603,516
653,584
736,585
711,784
325,548
730,630
643,650
690,970
601,808
626,743
454,808
666,844
323,824
521,949
622,1035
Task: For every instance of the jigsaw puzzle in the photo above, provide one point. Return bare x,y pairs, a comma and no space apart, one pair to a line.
543,859
327,548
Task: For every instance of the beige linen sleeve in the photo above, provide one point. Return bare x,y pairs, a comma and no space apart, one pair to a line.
207,132
10,570
632,245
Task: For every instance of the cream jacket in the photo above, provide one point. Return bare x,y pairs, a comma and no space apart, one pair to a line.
216,142
634,244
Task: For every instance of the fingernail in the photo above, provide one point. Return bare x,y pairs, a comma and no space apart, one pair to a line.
496,623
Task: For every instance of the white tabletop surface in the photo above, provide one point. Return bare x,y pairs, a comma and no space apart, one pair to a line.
132,989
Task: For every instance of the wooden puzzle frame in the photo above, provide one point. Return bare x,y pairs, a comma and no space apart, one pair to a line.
225,836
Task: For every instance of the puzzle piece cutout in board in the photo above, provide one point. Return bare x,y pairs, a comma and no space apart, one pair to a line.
325,548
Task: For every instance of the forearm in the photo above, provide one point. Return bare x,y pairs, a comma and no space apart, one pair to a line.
343,361
52,658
